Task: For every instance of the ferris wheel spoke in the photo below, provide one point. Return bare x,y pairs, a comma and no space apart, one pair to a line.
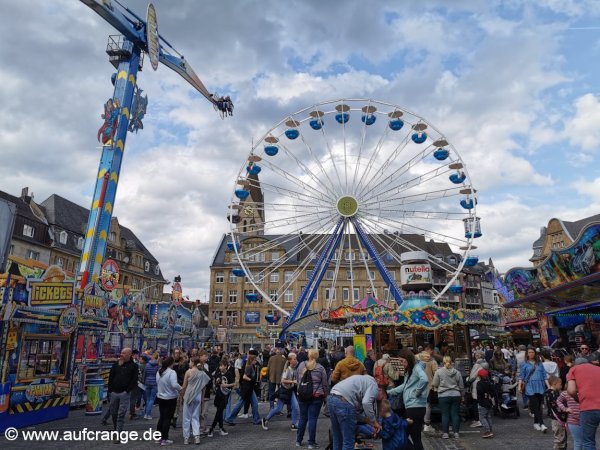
366,264
277,224
331,156
292,193
415,198
338,262
417,214
360,148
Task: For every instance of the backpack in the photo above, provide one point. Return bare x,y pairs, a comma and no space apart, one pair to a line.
305,387
381,378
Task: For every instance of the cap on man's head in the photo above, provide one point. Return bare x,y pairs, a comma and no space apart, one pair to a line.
483,373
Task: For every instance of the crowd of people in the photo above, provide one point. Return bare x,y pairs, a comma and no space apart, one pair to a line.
385,397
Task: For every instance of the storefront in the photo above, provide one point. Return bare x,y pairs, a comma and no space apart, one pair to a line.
37,329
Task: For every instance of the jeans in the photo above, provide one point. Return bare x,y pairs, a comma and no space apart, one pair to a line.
343,423
279,407
427,418
119,404
560,436
536,401
450,407
191,416
272,389
577,434
485,417
309,412
167,411
238,406
231,401
150,397
589,421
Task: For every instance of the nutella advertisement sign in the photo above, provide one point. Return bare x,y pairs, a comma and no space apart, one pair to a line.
415,275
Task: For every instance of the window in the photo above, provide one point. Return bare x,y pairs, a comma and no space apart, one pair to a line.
330,294
232,277
386,294
274,256
147,266
289,296
112,237
60,262
273,295
43,357
348,274
219,277
79,243
371,275
157,270
392,274
233,296
28,230
12,250
76,267
274,277
349,256
62,237
288,274
329,275
336,256
364,256
256,257
136,283
356,295
218,296
218,317
232,318
34,255
309,273
345,295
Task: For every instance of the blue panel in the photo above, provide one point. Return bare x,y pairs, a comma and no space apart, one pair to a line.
26,419
241,194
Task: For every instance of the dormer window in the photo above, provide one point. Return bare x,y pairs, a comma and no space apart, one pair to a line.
62,237
157,270
79,242
28,230
147,266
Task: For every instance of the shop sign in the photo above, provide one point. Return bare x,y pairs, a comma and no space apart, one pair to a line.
51,290
415,274
252,317
67,323
39,391
109,275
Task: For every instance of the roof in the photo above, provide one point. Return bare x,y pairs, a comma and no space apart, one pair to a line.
574,228
23,208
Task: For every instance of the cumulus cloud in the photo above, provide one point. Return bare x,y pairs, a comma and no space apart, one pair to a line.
582,129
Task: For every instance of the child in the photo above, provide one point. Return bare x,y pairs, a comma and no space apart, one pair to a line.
223,381
264,384
485,396
507,391
393,431
570,405
558,417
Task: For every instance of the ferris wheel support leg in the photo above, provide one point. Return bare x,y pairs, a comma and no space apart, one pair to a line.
103,201
378,263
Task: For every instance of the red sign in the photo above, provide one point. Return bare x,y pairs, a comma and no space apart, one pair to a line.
109,275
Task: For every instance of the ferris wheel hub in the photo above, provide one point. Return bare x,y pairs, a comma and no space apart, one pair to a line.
347,206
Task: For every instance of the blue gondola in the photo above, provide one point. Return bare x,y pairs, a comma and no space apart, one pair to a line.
477,234
271,319
241,194
252,297
342,117
254,169
458,178
292,133
238,272
468,203
369,119
455,289
233,245
396,124
234,219
419,138
316,124
271,150
441,154
471,261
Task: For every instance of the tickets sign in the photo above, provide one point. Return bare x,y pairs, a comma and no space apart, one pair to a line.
51,290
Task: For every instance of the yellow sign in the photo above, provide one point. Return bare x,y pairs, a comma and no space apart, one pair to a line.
51,294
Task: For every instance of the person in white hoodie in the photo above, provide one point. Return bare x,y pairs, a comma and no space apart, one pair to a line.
168,391
550,366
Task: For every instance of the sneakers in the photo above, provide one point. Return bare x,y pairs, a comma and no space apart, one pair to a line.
298,444
243,416
263,424
445,436
166,442
311,446
231,424
222,432
428,429
531,415
456,435
476,424
543,428
487,435
196,440
210,433
186,441
503,406
537,427
294,427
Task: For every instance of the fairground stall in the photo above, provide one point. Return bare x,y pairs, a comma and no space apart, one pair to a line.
171,327
564,290
37,332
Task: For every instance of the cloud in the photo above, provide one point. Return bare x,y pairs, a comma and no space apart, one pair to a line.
582,129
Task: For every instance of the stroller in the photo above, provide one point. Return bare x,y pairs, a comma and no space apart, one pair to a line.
505,395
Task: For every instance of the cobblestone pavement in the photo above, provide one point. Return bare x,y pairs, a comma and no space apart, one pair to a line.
509,434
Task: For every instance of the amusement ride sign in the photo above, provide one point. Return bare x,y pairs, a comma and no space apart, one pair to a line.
51,290
109,275
67,322
152,36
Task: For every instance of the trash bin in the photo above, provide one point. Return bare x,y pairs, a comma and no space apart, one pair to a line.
95,390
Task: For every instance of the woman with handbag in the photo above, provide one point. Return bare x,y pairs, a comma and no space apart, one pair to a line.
532,376
285,394
413,393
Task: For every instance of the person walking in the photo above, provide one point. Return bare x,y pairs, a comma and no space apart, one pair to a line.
351,400
498,363
558,417
414,395
485,396
286,394
223,382
431,367
180,367
122,380
274,370
248,380
151,387
312,390
570,405
168,392
449,385
347,367
532,383
370,361
194,382
480,363
583,383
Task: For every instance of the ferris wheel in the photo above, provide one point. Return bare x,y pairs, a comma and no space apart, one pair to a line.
346,187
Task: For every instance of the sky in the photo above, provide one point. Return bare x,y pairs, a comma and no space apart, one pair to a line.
514,85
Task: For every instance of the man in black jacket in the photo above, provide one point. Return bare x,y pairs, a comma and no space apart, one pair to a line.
122,380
